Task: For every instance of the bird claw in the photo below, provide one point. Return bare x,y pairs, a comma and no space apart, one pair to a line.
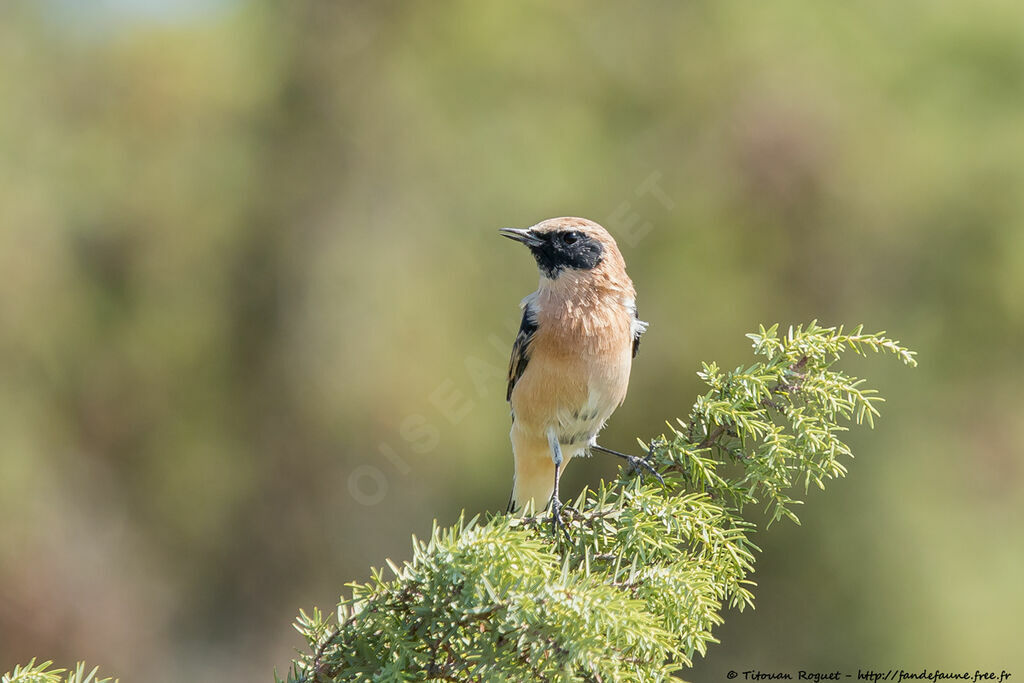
637,465
556,520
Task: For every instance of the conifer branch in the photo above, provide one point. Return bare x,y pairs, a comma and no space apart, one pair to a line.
638,587
636,590
43,673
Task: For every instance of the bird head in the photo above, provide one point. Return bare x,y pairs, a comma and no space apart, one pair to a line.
569,245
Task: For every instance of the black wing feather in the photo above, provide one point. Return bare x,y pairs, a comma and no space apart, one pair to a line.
520,350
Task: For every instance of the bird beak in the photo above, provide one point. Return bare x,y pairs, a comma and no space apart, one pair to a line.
523,235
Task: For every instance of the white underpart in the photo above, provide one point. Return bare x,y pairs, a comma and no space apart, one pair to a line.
578,429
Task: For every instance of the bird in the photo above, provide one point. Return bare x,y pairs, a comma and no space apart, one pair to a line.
571,359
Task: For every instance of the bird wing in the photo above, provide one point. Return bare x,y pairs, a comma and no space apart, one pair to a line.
638,327
521,350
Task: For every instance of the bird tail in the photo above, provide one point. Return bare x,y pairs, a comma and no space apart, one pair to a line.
534,473
511,507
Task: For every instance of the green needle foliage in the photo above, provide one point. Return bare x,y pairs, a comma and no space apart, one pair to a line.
42,673
637,585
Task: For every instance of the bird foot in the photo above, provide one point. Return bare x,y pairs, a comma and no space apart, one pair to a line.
556,520
637,465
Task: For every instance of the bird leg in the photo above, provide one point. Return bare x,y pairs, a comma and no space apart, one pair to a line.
556,503
636,464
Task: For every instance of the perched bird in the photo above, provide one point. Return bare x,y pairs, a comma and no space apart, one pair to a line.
571,359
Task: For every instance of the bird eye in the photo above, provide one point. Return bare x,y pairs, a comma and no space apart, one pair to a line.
570,237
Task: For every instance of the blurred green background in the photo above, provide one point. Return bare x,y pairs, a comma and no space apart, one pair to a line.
255,314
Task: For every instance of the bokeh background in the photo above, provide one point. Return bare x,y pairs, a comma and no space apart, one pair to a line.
255,314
